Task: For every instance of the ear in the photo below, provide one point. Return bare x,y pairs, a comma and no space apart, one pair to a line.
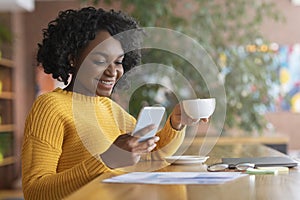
71,63
71,60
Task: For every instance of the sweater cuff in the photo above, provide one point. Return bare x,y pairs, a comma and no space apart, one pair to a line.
172,130
168,133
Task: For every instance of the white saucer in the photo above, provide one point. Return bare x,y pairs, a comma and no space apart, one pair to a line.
186,159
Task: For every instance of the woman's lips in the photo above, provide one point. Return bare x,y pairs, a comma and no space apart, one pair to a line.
106,84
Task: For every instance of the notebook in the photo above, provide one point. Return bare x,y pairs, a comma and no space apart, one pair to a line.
283,161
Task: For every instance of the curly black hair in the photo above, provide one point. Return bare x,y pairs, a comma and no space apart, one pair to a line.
72,30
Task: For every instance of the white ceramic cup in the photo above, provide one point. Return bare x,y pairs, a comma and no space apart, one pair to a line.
199,108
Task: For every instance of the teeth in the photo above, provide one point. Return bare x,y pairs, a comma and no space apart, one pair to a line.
107,82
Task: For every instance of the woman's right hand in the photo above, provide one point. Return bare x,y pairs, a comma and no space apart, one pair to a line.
126,149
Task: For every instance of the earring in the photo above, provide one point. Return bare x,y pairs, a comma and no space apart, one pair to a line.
71,64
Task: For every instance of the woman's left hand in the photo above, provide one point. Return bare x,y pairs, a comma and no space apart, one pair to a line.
179,118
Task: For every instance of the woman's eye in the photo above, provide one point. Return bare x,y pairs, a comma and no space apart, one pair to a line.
99,62
119,62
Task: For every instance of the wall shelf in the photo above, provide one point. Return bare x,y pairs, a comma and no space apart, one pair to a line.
6,63
7,161
6,128
6,95
7,119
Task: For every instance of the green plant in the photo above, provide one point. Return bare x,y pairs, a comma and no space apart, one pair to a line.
224,29
5,34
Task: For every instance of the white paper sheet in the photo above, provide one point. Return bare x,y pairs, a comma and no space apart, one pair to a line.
176,177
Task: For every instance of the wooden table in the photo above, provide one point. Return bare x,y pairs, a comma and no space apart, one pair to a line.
276,141
281,186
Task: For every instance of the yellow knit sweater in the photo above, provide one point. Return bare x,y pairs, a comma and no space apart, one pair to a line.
65,133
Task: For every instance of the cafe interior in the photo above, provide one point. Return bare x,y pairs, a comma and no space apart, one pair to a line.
255,83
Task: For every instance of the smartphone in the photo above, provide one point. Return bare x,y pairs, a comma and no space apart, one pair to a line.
149,115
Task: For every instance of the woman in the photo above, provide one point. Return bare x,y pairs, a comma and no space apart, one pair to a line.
75,134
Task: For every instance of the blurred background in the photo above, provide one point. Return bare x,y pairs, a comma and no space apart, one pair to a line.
254,44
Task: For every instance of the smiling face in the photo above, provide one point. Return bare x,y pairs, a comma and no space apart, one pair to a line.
98,67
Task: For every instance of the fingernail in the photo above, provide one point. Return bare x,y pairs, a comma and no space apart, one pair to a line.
151,147
156,138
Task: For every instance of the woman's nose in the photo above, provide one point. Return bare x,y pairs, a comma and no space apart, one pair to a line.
111,70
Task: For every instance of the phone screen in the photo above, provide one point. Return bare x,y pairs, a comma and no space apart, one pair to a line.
147,116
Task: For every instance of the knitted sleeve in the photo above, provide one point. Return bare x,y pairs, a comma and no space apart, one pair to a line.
170,141
41,151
